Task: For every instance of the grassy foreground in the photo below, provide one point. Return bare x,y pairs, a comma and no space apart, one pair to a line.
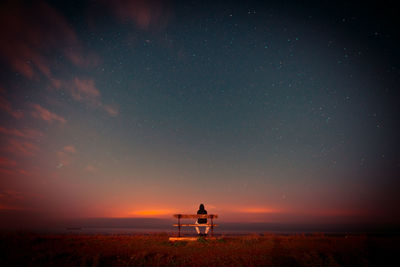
156,250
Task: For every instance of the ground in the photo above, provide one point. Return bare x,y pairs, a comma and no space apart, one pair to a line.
21,249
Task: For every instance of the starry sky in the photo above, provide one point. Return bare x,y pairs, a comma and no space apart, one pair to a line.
279,111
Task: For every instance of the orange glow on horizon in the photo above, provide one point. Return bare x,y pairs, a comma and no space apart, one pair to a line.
226,213
258,210
152,213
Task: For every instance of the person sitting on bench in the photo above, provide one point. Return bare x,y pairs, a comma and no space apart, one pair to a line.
201,220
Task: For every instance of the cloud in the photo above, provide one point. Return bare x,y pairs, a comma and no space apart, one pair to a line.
22,67
65,156
70,149
7,172
64,159
31,33
15,200
25,133
144,14
5,162
17,142
40,112
77,58
85,91
20,148
11,194
6,106
13,172
23,172
112,110
90,168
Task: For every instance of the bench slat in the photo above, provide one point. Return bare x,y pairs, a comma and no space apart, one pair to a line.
200,225
196,216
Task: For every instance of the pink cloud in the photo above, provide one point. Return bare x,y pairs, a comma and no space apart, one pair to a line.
5,162
10,207
25,133
23,172
6,106
22,67
7,172
85,90
46,115
70,149
78,59
20,148
11,199
56,83
11,194
29,34
65,156
112,110
145,15
90,168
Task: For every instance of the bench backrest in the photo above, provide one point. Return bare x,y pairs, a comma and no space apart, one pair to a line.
196,216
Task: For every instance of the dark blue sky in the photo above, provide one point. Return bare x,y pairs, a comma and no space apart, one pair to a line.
276,110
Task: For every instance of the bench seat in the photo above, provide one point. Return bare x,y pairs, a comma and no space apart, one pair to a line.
195,216
193,224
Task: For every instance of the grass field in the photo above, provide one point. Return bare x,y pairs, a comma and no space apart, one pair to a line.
156,250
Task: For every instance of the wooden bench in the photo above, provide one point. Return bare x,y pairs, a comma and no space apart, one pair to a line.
195,216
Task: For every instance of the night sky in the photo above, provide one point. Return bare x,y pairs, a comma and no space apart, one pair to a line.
265,112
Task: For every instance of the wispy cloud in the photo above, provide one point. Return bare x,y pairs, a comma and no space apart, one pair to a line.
69,149
20,147
66,155
24,133
111,110
85,91
11,194
15,200
145,15
7,172
31,33
90,168
46,115
7,107
77,57
17,142
5,162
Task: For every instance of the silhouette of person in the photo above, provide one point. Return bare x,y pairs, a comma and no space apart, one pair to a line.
201,221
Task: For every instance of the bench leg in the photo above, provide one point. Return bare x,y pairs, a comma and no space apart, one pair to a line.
179,227
212,227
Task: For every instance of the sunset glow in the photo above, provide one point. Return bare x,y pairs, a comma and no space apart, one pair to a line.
143,109
152,213
258,210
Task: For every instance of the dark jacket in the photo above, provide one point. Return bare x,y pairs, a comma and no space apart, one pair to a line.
203,211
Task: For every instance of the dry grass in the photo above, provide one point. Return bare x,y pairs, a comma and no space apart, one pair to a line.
156,250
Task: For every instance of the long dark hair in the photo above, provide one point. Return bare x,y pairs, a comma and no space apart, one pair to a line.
201,207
